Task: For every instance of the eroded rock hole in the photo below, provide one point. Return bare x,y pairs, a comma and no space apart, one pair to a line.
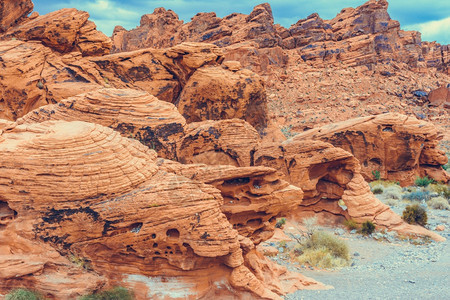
6,213
173,233
237,181
136,227
153,236
155,245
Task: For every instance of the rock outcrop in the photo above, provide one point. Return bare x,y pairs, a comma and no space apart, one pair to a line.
226,142
440,96
399,147
65,30
214,93
86,191
253,196
356,36
135,114
327,174
12,12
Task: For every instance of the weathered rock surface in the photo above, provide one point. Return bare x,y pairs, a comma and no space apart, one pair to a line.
12,12
86,191
399,147
439,96
52,77
135,114
327,174
253,196
356,36
64,30
226,142
213,93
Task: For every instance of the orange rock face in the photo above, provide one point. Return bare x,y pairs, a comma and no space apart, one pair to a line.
439,96
399,147
12,12
356,36
135,114
92,169
213,93
226,142
64,30
253,196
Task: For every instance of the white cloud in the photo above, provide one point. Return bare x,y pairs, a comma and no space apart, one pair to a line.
106,14
433,30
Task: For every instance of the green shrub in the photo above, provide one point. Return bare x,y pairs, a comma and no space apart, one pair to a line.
376,174
367,228
280,223
415,214
23,294
423,181
439,203
351,224
117,293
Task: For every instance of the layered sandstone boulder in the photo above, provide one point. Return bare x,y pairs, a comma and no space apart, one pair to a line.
52,77
226,142
439,96
12,12
215,93
253,196
64,30
135,114
87,192
399,147
325,174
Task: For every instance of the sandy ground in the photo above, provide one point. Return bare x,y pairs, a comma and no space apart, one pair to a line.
384,266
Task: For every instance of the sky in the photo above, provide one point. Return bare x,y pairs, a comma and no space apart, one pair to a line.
430,17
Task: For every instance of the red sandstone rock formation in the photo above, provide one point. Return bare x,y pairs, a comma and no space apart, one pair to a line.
327,174
356,36
439,96
62,180
226,142
135,114
253,196
399,147
213,93
64,30
12,12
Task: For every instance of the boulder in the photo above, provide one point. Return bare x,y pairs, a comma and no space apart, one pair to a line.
439,96
12,12
135,114
214,93
64,30
399,147
108,204
253,196
225,142
52,77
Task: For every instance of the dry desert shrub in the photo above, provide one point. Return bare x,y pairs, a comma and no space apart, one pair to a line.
439,203
415,214
324,250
